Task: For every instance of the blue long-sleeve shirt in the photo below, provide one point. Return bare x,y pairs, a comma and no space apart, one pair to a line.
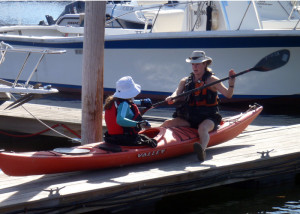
125,114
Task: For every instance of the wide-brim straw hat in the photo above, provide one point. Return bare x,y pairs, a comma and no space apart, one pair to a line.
126,88
199,57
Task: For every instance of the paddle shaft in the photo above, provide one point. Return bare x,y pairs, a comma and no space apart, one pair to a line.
205,86
268,63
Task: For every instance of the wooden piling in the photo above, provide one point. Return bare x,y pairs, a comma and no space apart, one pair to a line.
92,76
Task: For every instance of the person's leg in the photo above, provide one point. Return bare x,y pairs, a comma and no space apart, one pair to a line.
203,130
175,122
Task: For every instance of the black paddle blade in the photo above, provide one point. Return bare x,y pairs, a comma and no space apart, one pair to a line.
273,61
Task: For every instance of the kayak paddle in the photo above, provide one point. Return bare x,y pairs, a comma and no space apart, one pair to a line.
270,62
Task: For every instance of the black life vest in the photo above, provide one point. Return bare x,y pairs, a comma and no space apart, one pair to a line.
204,97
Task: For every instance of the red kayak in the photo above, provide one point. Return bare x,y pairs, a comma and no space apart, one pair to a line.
172,142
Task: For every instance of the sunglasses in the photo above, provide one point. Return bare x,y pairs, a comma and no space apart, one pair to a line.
194,58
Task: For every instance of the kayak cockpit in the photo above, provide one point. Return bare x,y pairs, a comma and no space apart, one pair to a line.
72,151
152,132
155,133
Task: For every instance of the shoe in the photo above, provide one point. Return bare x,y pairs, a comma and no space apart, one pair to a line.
201,154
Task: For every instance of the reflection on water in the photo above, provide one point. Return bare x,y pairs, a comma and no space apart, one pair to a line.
290,207
240,198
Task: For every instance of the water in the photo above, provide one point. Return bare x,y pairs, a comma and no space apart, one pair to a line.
29,12
236,199
284,198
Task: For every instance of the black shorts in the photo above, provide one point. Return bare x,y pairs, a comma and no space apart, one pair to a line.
196,115
196,120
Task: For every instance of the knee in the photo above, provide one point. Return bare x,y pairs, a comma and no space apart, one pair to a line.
167,124
206,127
174,123
202,129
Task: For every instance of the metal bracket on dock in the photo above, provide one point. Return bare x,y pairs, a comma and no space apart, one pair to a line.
53,192
265,154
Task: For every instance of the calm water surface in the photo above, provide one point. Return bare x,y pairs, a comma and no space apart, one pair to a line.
29,12
283,198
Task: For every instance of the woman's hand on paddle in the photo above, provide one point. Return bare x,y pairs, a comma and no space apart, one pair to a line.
231,80
169,100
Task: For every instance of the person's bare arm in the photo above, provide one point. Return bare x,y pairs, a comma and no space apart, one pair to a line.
178,91
227,92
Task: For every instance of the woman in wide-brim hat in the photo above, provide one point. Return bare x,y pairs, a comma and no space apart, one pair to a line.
122,116
200,109
199,57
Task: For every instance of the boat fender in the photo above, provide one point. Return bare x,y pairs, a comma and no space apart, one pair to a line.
214,19
212,15
81,19
209,10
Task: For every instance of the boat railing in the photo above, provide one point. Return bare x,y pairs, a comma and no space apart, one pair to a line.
5,48
149,15
296,7
147,18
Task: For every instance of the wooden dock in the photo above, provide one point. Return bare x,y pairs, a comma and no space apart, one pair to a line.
33,118
260,151
26,120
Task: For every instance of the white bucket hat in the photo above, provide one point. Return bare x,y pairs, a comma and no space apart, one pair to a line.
126,88
199,57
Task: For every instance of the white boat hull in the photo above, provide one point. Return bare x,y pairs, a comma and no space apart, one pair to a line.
157,62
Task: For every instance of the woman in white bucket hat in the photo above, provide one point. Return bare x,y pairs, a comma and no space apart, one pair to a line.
200,109
122,116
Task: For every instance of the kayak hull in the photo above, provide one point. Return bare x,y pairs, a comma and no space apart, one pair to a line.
172,142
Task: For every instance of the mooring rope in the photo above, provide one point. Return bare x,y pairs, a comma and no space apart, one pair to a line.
52,128
41,132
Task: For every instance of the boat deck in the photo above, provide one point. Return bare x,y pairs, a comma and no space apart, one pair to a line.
260,151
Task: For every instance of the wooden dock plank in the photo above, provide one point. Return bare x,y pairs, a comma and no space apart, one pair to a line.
24,119
20,120
233,161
